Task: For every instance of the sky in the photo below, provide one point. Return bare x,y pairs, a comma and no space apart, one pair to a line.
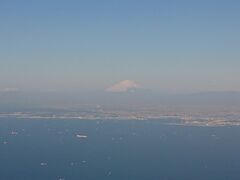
82,45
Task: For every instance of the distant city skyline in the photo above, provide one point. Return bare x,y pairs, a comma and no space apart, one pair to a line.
167,46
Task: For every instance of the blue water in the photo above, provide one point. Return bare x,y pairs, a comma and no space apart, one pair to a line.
116,150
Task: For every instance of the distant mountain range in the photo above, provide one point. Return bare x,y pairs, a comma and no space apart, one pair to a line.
140,97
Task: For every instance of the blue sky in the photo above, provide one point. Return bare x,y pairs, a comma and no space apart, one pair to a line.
167,45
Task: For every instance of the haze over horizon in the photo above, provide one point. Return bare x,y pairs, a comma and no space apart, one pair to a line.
165,46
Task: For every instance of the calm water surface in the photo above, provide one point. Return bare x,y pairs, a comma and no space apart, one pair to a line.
117,150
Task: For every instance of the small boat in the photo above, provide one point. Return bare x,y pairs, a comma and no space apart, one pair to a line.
81,136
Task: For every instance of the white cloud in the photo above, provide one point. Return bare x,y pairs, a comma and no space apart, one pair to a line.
9,90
